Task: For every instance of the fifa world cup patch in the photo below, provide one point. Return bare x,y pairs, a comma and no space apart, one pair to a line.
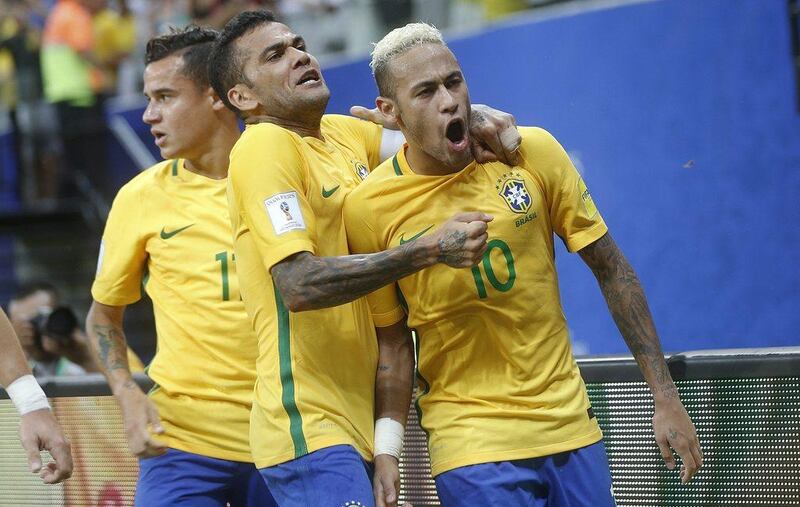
511,187
586,197
284,213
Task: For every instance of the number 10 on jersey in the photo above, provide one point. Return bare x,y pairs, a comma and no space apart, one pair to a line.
489,270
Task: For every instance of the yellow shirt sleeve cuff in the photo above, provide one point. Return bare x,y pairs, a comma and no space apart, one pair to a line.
106,297
578,241
278,253
389,318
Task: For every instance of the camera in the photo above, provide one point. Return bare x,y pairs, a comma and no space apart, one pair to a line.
58,324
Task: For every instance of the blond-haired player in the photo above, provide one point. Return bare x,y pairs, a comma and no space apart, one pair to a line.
503,403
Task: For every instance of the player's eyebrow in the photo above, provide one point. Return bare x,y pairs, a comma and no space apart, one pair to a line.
158,91
432,82
296,41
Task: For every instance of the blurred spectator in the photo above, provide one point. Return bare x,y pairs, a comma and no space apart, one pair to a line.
50,334
166,14
70,74
215,13
321,22
33,120
115,40
497,9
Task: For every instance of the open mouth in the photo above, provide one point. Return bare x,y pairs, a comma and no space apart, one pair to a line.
158,136
310,76
456,134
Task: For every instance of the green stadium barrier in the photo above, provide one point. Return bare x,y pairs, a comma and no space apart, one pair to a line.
745,405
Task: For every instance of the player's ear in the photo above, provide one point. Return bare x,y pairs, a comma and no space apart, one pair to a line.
387,107
242,98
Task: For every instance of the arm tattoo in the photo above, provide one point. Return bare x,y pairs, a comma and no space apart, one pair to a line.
111,343
628,305
308,282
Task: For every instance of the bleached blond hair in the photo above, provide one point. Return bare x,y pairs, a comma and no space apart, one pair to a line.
395,43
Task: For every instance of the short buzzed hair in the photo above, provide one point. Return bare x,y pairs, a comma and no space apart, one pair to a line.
395,43
193,43
226,67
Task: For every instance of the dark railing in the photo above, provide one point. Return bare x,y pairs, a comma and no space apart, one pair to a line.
745,404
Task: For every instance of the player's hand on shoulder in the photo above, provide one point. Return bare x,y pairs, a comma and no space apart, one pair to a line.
386,481
38,431
462,240
673,428
141,420
494,136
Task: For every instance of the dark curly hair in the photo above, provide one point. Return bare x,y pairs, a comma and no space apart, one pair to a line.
226,68
193,43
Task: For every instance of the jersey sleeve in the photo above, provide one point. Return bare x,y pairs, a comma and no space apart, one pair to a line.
122,260
364,133
362,238
573,214
267,190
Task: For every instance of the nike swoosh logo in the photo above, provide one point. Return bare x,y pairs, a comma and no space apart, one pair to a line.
328,193
415,236
167,235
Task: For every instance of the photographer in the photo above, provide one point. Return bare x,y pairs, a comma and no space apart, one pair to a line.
50,334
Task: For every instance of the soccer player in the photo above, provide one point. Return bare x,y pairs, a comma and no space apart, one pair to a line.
503,403
313,415
169,230
38,428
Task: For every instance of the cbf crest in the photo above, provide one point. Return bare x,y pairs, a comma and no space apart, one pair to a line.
511,187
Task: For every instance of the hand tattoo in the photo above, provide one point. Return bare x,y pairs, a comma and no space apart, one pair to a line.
451,248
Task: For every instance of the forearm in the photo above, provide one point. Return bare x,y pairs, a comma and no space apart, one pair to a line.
394,378
104,327
308,282
628,306
12,360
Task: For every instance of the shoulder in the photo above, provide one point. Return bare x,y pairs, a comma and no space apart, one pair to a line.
378,180
339,121
536,140
140,185
258,138
345,127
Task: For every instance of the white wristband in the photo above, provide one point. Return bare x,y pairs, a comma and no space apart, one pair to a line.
27,395
388,437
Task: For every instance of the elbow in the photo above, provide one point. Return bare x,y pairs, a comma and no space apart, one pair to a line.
295,300
297,304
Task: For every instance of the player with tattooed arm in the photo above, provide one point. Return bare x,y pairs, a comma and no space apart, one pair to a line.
503,403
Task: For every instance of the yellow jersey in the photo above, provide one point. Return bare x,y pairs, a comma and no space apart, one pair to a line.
316,369
495,365
169,229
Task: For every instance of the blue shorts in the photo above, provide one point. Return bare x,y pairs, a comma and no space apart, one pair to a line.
182,478
332,477
579,478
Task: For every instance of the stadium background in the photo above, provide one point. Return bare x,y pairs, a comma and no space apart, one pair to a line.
682,115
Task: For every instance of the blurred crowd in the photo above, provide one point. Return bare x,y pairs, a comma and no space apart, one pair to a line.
61,60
